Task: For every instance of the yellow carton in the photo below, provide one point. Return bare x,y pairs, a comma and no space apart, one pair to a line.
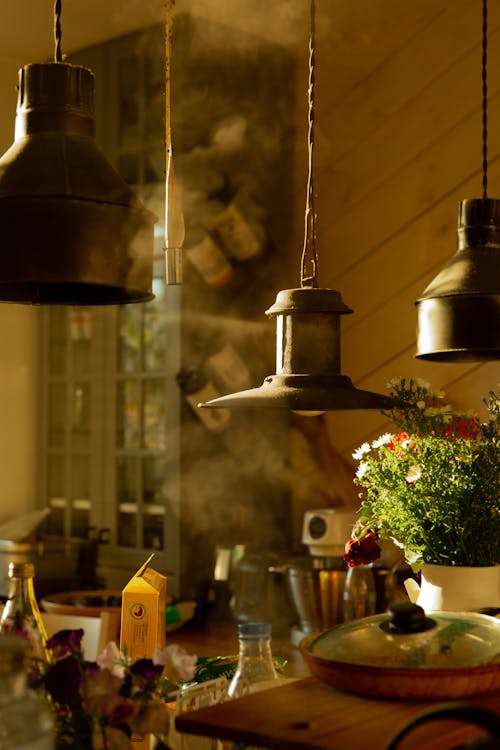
144,606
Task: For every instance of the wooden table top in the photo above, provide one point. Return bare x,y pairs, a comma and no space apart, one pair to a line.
305,714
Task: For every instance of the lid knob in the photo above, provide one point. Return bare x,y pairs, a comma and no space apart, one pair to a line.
406,618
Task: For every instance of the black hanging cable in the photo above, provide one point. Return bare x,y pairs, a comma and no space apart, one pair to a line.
57,31
485,98
310,280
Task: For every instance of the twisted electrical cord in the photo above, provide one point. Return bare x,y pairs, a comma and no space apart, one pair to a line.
310,280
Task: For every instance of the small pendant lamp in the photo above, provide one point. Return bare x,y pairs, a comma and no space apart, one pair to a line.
308,378
459,312
72,230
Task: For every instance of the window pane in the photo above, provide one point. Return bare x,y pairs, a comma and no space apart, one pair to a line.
57,341
127,525
153,472
57,413
127,417
80,518
155,331
80,326
56,522
129,338
152,534
80,426
154,415
126,479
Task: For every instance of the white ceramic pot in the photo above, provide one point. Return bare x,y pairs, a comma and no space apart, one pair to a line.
457,588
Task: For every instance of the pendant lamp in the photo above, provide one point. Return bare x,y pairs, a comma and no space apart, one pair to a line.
73,232
459,311
308,378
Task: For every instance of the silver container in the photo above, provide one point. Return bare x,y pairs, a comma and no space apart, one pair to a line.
316,589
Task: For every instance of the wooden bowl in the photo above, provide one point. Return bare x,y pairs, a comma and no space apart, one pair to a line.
413,684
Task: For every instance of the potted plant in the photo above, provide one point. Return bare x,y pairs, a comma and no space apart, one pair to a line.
433,486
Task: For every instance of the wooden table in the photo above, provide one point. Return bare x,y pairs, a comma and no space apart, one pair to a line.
305,714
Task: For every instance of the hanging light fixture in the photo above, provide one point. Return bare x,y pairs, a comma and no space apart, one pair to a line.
459,312
72,231
307,378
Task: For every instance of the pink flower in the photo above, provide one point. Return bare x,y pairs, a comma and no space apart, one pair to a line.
177,663
113,660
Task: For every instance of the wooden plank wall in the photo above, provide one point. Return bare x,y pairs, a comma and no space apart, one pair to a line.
399,145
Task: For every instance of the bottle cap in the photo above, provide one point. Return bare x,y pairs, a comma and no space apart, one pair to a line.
254,630
21,570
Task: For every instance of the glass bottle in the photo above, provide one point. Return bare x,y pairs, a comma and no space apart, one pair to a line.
360,596
25,718
255,661
21,615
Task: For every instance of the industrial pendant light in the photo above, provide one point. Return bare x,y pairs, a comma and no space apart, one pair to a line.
459,312
307,378
72,231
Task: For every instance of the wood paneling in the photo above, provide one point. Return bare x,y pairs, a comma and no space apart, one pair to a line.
399,146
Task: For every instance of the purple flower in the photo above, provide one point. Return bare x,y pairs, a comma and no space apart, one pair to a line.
146,670
63,680
65,641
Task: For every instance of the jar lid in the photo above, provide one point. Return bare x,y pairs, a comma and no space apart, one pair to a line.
405,638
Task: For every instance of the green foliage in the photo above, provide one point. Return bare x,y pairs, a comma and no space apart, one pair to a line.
434,486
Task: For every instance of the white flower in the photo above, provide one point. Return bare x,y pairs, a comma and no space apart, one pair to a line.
113,660
360,452
445,409
421,405
382,440
440,395
393,382
362,469
424,384
177,663
431,411
414,473
408,443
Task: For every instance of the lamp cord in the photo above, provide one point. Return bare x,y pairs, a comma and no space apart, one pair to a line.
57,31
310,280
485,98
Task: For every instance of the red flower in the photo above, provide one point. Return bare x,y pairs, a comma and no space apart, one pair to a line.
362,551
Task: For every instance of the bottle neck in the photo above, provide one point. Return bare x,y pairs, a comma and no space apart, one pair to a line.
258,648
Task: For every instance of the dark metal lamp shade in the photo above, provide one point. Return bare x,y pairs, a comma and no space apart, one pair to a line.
72,231
459,312
307,375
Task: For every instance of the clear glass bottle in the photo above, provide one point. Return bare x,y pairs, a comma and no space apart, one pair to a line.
255,662
360,596
21,615
25,718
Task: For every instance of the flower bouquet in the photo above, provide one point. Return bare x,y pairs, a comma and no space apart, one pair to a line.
101,705
433,485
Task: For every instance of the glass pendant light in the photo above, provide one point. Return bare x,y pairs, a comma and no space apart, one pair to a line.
73,232
308,377
459,312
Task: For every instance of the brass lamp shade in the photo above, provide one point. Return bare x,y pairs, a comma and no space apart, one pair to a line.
72,231
459,312
307,375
